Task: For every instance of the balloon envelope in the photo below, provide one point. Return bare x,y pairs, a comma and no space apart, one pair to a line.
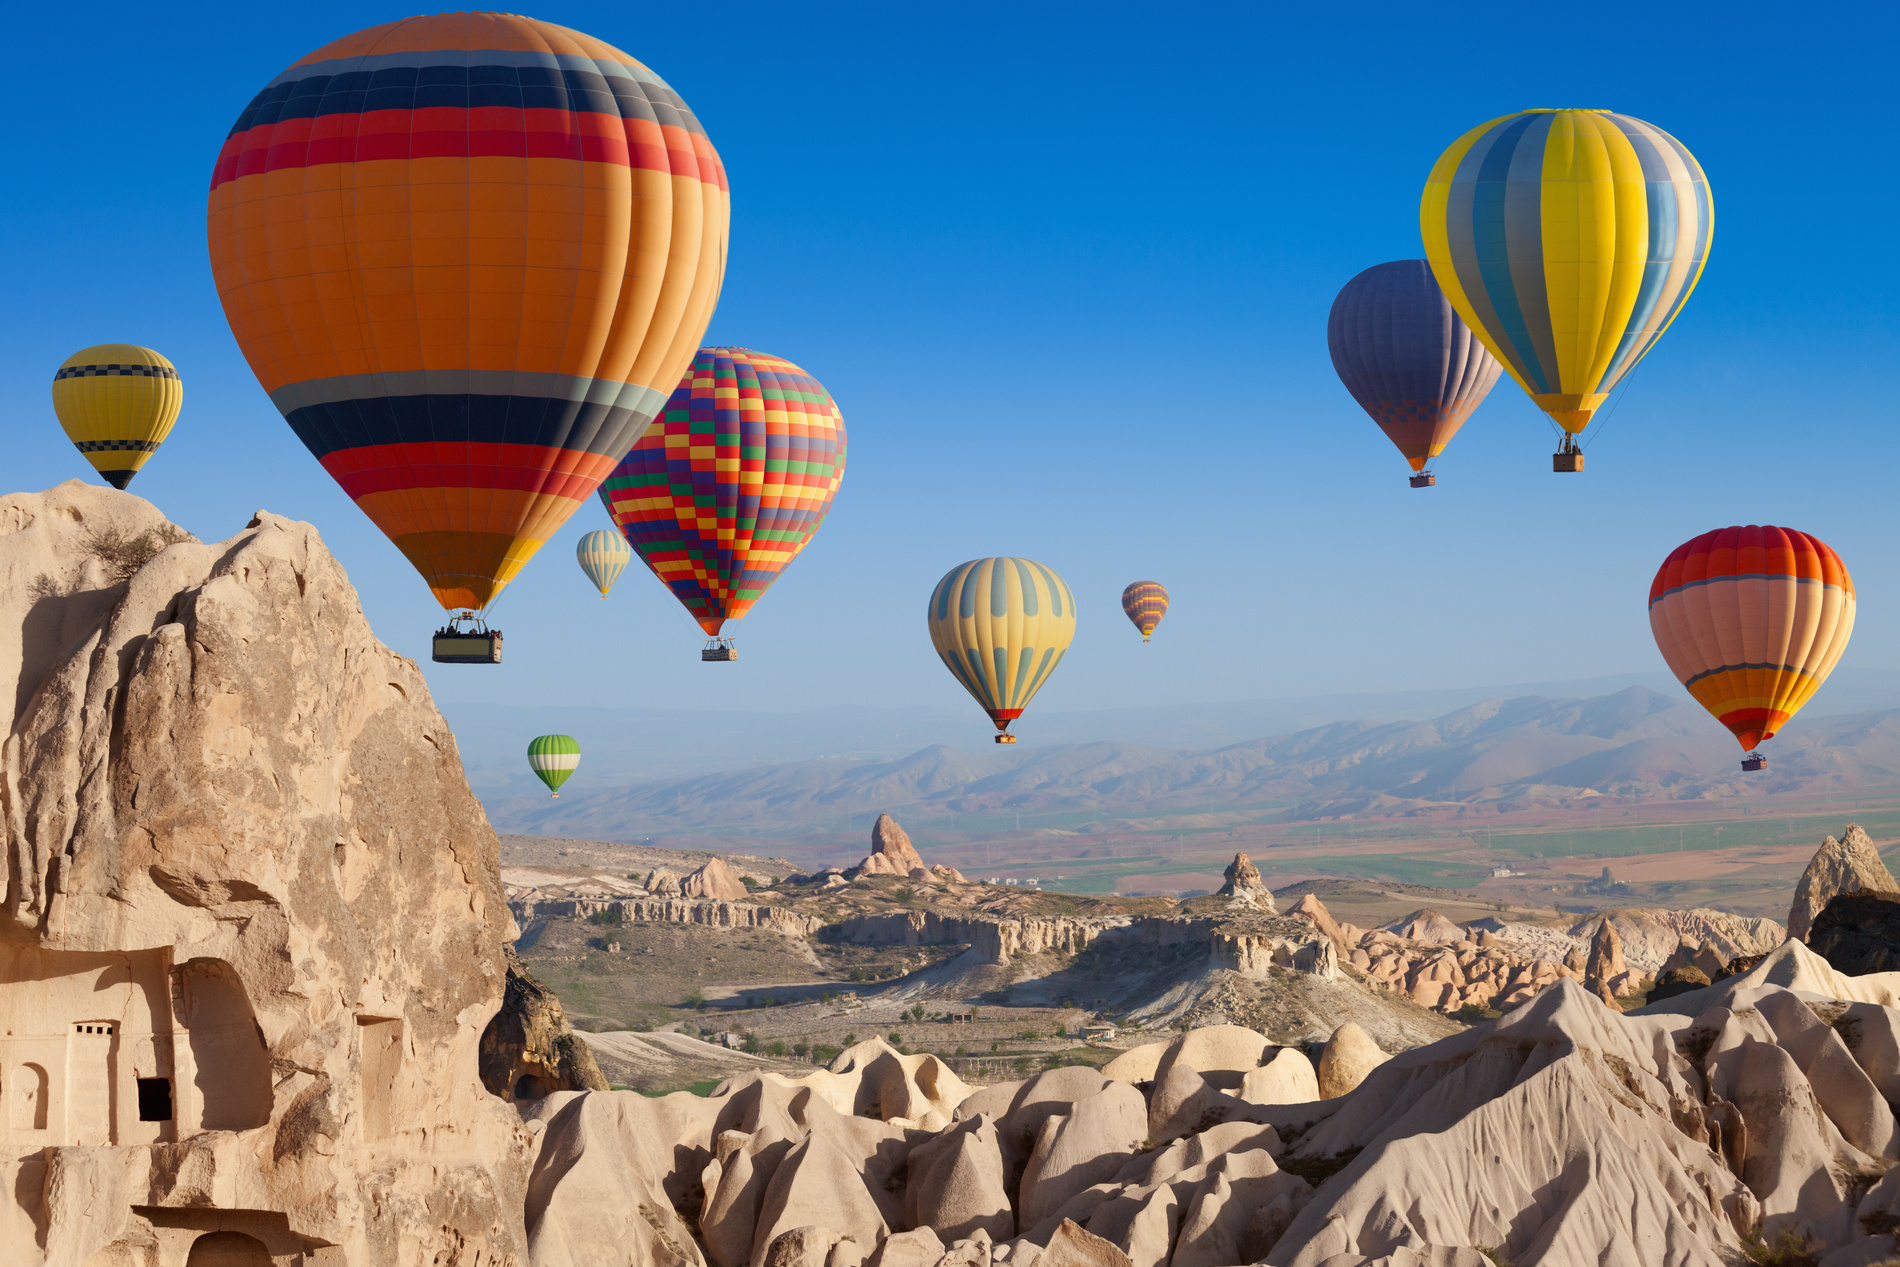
553,759
1001,626
1407,357
1568,240
603,556
117,403
468,255
1752,620
726,489
1145,603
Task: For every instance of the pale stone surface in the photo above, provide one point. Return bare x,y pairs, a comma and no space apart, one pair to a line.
1314,912
1604,970
1232,1049
1848,865
1349,1055
1074,1246
891,851
1137,1064
1289,1078
714,880
243,859
1428,926
1243,884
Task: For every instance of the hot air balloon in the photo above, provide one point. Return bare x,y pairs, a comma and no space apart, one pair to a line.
117,403
553,759
730,484
603,556
1752,620
1568,240
1001,626
1145,603
1405,356
468,255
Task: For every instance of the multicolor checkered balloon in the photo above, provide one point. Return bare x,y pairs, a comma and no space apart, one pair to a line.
731,481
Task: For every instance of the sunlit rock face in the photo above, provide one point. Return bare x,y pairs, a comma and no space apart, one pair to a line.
253,921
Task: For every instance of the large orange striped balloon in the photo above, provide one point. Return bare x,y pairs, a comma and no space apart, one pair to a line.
468,256
1752,620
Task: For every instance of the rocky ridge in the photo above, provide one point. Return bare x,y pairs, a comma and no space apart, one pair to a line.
1754,1108
253,923
1848,865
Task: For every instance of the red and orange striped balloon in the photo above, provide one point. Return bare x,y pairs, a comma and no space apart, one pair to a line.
468,256
1752,620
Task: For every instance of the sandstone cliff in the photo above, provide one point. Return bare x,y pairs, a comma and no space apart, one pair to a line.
1848,865
253,921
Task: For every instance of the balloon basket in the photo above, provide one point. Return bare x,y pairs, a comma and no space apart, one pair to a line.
1567,460
1424,479
1754,761
718,649
1005,738
478,644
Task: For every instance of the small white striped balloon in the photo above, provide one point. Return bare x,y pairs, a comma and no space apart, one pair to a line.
603,556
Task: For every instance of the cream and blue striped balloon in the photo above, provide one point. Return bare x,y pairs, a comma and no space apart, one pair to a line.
603,556
1002,626
553,759
1568,240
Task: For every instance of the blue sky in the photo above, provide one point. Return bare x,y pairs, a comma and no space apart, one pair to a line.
1066,270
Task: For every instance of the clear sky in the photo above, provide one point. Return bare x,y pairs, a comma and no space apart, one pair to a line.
1066,270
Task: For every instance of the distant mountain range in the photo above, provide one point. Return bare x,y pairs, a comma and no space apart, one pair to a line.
1504,754
621,746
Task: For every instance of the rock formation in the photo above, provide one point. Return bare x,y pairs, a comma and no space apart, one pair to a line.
1345,1061
891,851
1859,933
528,1049
253,925
1564,1134
1314,912
715,881
1848,865
1243,883
1650,935
1604,969
1426,925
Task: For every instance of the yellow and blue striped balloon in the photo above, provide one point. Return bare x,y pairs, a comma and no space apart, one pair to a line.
1568,240
553,758
1001,626
603,555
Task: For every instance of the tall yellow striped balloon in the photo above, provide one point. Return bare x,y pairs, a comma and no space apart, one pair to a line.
117,403
1002,626
1568,240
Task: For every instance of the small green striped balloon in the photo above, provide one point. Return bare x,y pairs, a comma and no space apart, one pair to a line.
553,758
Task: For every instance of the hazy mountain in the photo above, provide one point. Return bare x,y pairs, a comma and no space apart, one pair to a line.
621,746
1497,753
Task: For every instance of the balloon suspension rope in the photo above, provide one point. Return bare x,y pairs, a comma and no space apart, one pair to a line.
1622,394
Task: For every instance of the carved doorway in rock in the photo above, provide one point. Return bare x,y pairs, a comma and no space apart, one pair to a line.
29,1095
91,1052
228,1249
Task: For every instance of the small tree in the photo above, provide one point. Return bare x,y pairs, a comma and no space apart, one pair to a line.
775,1048
850,1040
897,1039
